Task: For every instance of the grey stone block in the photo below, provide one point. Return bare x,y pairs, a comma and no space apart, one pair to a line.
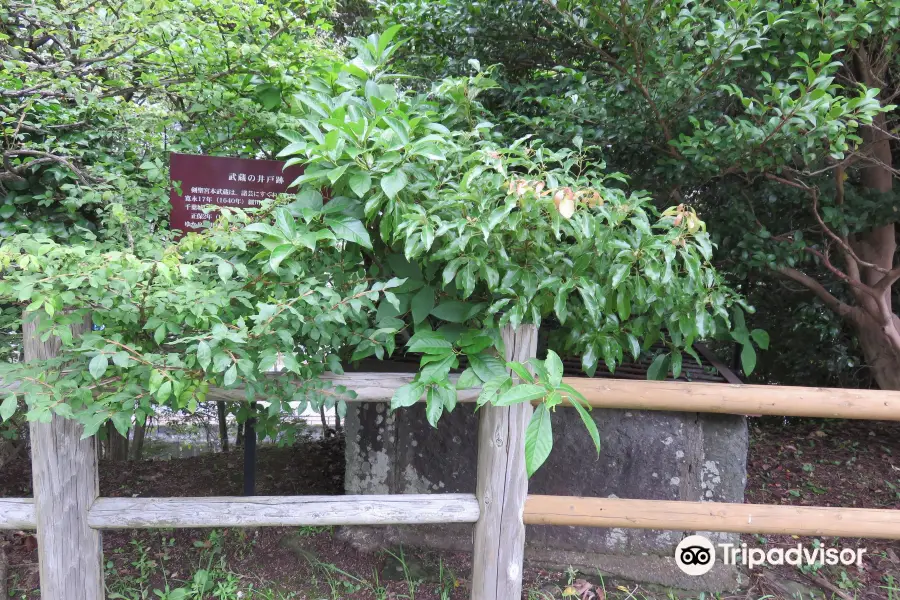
645,454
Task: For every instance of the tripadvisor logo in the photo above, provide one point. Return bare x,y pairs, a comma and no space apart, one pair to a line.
696,555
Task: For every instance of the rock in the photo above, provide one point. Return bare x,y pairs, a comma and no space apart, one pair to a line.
645,454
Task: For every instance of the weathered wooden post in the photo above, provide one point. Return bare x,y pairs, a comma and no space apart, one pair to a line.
502,486
64,472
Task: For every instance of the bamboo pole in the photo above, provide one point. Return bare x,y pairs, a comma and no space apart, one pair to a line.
776,400
676,396
712,516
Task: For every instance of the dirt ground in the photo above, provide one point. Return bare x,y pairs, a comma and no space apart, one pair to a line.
821,463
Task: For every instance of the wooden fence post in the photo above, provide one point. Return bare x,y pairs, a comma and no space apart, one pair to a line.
64,472
502,485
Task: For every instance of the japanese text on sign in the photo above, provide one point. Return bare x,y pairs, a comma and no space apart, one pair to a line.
209,181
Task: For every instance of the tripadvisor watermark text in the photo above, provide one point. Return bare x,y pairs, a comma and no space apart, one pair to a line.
696,555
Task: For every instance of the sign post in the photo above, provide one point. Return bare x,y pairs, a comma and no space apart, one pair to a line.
222,181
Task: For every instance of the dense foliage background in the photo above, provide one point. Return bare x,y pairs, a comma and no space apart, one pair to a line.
764,116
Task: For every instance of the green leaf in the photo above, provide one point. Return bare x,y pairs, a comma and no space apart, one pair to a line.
121,359
520,370
225,270
393,182
269,96
524,392
334,364
559,306
554,366
675,363
8,407
407,395
336,173
487,366
659,368
434,407
623,304
761,338
164,391
285,222
98,366
452,311
491,387
230,375
448,397
360,183
204,354
349,229
588,421
279,254
385,38
309,198
634,345
265,229
437,370
428,342
538,439
422,304
748,358
122,422
618,274
467,380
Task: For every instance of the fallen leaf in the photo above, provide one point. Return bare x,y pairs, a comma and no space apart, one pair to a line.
583,589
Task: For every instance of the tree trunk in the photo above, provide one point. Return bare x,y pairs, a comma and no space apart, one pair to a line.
882,357
239,441
223,426
137,441
117,444
879,337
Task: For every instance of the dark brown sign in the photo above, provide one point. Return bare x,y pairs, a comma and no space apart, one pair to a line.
222,181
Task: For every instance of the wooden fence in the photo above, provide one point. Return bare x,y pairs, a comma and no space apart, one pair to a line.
69,514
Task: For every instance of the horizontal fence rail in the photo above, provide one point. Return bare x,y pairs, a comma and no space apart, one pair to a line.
778,400
423,509
262,511
712,516
17,513
678,396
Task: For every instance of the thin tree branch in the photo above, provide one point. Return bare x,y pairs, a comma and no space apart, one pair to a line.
41,155
842,309
841,242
